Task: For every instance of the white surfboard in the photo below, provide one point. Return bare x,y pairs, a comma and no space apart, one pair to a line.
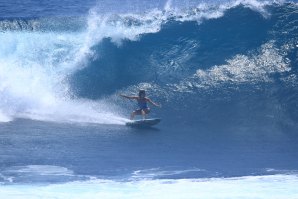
144,122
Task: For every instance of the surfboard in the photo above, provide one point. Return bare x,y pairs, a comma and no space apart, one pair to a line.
143,122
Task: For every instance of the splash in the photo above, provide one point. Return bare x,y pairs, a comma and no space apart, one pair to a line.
33,79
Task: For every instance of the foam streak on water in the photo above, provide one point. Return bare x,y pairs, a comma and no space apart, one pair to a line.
250,187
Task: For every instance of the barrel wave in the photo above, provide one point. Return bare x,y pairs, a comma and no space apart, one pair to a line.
232,66
232,63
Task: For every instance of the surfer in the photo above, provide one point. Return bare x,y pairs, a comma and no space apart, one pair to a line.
142,103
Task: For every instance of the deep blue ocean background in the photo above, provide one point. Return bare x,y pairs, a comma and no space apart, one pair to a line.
225,73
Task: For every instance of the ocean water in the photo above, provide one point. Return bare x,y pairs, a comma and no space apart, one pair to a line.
225,73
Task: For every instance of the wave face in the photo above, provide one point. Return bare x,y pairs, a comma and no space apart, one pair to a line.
229,63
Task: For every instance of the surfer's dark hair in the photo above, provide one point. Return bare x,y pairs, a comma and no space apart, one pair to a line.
142,92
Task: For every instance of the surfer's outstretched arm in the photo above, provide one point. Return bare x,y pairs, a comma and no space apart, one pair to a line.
153,103
129,97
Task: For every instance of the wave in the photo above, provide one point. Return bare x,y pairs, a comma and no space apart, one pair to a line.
70,68
238,58
48,181
275,186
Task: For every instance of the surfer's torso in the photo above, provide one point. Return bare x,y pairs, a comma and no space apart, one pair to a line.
142,103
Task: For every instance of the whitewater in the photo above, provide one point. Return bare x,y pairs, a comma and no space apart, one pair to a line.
225,73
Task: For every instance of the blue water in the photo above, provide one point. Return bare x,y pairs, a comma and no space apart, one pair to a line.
225,73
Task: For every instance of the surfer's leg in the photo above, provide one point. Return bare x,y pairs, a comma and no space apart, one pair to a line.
147,110
136,112
143,114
